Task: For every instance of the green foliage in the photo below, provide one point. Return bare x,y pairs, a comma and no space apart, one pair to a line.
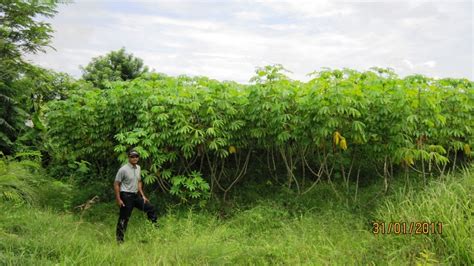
336,126
114,66
39,86
25,182
192,187
15,184
20,33
19,179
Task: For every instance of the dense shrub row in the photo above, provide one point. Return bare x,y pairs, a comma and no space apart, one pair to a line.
198,135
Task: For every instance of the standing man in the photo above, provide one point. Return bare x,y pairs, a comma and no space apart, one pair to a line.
128,188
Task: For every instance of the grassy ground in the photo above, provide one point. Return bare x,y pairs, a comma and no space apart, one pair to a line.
314,229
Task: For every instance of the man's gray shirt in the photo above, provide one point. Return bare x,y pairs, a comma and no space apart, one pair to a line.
128,176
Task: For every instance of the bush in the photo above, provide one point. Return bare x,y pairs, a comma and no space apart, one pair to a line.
25,182
197,135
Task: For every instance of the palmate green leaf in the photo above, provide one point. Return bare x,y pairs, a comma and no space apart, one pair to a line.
188,184
120,149
437,148
211,132
131,140
221,142
188,149
172,156
149,179
174,190
195,194
358,126
210,110
441,119
333,123
120,137
324,110
194,106
198,133
156,109
222,153
213,145
467,128
204,186
341,110
429,123
283,136
354,112
440,159
235,125
162,117
217,123
166,174
178,180
196,141
184,129
147,142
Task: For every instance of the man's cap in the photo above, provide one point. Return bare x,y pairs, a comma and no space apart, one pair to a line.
133,153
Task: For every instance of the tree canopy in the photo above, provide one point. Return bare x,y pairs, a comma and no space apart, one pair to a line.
20,33
114,66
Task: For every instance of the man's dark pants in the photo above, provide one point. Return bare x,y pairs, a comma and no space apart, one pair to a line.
132,200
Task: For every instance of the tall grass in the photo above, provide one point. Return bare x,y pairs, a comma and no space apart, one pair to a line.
448,201
260,235
271,231
17,182
24,182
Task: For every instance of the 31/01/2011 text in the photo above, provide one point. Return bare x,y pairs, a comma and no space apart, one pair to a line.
407,228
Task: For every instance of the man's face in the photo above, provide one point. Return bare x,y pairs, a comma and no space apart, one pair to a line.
133,159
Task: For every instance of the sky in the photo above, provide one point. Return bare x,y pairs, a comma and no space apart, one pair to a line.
228,40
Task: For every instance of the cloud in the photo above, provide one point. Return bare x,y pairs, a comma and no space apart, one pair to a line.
228,40
430,63
412,66
409,64
308,9
248,15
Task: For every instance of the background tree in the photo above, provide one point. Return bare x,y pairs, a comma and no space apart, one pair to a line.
114,66
20,33
39,86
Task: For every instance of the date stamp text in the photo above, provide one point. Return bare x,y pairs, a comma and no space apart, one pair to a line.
407,228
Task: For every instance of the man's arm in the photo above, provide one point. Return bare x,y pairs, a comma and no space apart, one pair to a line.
140,190
117,194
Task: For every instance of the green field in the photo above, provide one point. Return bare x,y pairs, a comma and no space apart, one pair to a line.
278,228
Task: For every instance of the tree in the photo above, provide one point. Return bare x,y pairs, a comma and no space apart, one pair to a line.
20,33
39,86
114,66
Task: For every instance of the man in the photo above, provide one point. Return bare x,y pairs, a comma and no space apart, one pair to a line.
128,188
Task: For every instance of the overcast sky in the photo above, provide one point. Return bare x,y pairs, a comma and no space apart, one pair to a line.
227,40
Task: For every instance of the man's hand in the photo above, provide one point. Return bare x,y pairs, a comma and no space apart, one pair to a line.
117,194
120,203
140,190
